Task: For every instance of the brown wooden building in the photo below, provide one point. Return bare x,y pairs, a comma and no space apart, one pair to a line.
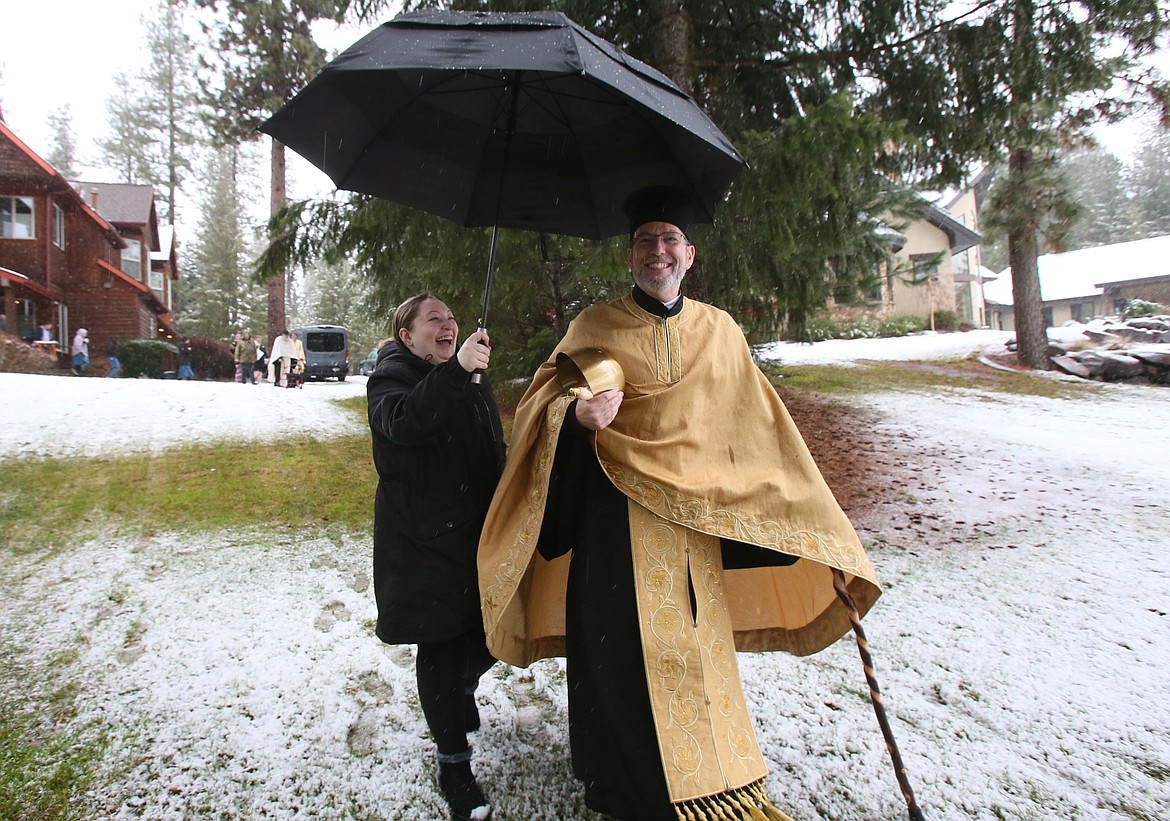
80,255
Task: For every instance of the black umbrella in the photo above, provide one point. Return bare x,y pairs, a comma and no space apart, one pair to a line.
515,120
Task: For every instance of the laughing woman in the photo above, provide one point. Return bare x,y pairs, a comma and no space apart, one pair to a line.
439,452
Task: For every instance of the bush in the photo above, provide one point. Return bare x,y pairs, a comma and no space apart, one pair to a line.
946,320
148,357
900,326
211,359
1138,308
821,329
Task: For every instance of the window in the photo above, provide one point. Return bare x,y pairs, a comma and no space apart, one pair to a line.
1083,311
132,258
16,218
59,227
925,266
156,283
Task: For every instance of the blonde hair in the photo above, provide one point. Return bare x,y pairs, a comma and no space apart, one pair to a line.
407,312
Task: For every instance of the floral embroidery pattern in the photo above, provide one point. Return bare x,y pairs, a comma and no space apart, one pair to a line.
698,515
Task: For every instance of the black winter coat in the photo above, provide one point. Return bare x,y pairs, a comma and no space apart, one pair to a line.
439,452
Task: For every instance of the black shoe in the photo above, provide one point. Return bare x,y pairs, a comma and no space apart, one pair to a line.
470,713
461,792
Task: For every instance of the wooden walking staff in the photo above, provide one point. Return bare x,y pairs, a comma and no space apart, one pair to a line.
875,695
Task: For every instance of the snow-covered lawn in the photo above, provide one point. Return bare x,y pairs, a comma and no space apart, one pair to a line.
1023,648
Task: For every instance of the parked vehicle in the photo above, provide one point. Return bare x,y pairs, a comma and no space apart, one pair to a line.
367,365
326,351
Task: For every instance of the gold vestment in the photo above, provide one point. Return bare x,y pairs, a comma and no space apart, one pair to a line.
702,447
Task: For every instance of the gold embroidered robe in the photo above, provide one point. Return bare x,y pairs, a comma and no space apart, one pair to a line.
701,445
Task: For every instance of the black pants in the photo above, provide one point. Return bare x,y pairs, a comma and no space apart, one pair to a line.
447,671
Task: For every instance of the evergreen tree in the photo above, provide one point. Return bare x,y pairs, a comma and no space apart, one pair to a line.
1026,77
63,152
1149,179
216,293
264,52
153,114
171,100
1095,181
130,145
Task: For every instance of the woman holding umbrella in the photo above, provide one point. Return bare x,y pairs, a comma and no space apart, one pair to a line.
439,451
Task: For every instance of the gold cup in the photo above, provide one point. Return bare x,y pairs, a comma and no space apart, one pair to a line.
588,372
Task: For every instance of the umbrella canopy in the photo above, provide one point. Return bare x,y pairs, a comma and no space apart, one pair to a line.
515,120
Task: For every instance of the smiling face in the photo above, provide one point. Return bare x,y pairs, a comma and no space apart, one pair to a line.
659,257
433,333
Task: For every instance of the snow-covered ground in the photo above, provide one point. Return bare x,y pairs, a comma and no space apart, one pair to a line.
1023,646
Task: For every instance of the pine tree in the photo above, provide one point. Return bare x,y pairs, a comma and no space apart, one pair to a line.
1095,181
172,100
130,147
216,294
1149,179
264,53
1025,78
63,153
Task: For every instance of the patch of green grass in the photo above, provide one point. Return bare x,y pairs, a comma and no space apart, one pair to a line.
869,377
293,483
45,771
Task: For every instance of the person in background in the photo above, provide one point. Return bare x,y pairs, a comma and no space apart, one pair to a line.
260,369
185,351
235,342
281,357
80,351
42,333
245,354
113,352
648,533
296,367
438,448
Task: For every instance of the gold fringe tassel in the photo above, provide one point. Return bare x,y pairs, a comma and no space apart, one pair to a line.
748,803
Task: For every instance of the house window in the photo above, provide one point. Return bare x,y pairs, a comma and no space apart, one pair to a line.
59,227
1083,311
156,283
16,218
924,267
132,258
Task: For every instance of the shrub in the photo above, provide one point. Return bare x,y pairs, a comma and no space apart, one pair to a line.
900,326
946,320
211,359
148,357
1137,308
820,329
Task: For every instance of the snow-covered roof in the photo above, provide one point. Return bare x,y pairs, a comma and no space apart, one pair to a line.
1082,273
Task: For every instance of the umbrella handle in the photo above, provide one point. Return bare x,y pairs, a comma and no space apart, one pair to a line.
477,374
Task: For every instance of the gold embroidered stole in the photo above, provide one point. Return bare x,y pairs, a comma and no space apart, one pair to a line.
705,734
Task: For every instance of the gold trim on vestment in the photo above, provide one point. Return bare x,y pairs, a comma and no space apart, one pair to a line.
699,515
748,803
705,734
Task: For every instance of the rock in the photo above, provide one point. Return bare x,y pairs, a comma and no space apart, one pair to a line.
1155,364
1110,366
1101,337
1072,366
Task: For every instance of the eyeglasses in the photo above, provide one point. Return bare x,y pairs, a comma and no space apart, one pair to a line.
671,239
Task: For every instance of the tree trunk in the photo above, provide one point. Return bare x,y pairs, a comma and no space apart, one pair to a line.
673,36
277,321
672,43
1031,330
